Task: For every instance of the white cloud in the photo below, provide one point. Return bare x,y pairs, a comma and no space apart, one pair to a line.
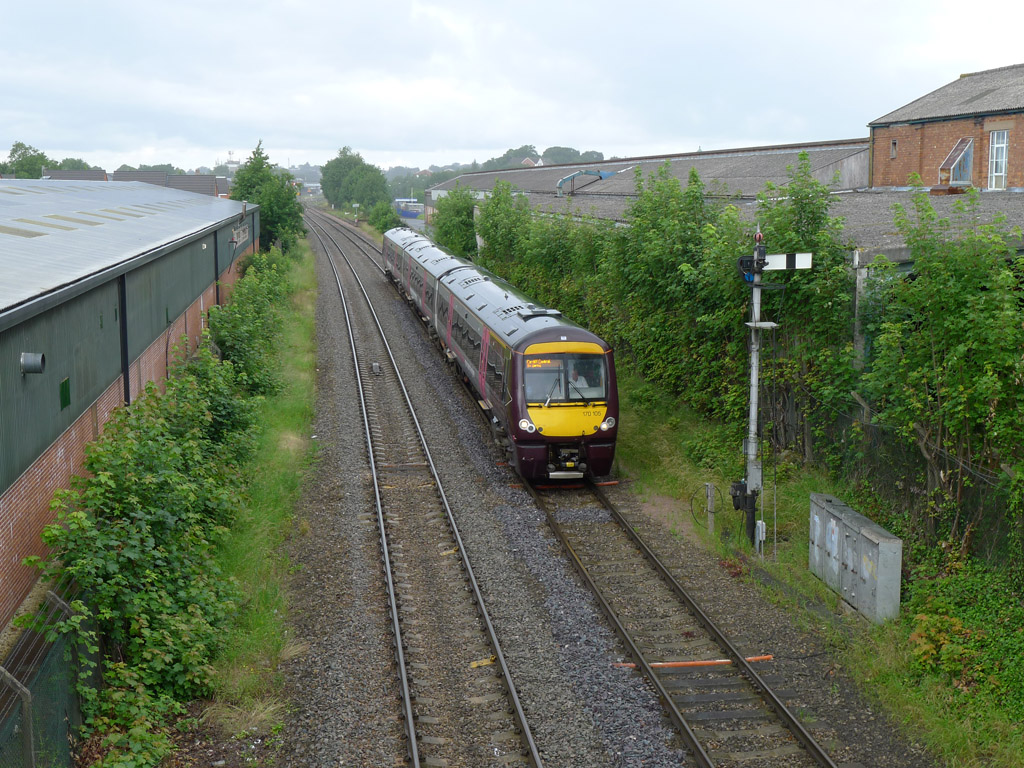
115,81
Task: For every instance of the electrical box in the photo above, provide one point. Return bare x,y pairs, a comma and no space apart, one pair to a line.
856,557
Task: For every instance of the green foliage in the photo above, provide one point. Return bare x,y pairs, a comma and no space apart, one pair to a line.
558,155
73,164
453,222
280,211
513,158
137,535
244,329
384,217
946,367
27,162
813,362
504,219
679,302
349,179
965,625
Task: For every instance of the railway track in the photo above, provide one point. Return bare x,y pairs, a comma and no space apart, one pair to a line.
353,236
722,704
458,701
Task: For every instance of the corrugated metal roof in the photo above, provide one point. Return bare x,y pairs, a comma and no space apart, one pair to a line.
742,172
93,174
204,184
993,91
56,233
150,177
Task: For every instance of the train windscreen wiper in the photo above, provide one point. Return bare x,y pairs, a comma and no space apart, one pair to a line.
551,392
584,398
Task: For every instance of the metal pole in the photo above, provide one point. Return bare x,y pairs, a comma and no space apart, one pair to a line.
751,443
709,496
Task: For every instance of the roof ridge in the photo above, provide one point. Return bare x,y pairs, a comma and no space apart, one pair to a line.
989,71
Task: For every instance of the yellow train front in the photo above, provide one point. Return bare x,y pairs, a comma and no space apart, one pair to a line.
566,407
547,384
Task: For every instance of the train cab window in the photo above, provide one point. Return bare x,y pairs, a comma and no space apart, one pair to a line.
565,378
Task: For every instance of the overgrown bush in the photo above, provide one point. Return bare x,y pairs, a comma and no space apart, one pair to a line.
384,217
965,627
453,222
245,328
137,534
946,367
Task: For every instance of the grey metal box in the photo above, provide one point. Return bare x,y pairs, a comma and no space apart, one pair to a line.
856,557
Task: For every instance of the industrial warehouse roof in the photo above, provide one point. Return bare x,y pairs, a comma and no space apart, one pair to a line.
56,234
991,92
741,172
868,214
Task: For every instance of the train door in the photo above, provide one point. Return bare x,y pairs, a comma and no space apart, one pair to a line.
482,363
448,327
496,376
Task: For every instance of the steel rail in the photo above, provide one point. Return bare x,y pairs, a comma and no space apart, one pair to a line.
520,714
689,737
353,235
410,722
788,719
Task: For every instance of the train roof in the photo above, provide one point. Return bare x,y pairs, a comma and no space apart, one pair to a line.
434,259
501,306
507,310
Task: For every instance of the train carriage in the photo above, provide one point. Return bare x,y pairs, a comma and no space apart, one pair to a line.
548,385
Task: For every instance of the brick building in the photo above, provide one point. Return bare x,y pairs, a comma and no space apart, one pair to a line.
967,133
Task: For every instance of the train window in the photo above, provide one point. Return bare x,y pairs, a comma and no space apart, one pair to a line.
565,378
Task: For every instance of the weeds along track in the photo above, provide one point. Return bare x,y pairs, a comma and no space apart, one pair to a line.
458,701
723,707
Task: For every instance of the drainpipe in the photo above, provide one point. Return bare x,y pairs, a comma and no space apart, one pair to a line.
122,302
871,158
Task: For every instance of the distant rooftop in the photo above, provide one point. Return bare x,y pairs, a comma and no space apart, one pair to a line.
93,174
741,172
994,91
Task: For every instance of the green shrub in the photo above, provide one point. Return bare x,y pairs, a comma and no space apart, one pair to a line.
383,217
137,533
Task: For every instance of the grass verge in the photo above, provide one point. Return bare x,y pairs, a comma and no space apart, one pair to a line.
671,452
247,681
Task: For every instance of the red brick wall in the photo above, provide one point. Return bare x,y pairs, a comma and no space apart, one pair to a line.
25,506
922,148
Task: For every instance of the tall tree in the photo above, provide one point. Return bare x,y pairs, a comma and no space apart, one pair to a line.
27,162
513,158
74,164
558,155
453,221
280,211
334,179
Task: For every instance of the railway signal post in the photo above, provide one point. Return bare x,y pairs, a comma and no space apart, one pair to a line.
745,492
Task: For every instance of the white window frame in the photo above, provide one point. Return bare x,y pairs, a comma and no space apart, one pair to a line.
998,149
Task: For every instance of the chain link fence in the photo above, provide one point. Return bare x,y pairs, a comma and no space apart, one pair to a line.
39,711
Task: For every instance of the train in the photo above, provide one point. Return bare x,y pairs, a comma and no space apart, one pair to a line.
547,385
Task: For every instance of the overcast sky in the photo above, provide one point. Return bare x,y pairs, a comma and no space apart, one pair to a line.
421,82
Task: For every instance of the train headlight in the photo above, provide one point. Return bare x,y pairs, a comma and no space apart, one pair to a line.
527,426
607,423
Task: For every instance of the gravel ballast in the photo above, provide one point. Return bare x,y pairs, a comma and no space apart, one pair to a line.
582,710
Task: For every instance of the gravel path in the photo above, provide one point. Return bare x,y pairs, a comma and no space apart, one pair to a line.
583,712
